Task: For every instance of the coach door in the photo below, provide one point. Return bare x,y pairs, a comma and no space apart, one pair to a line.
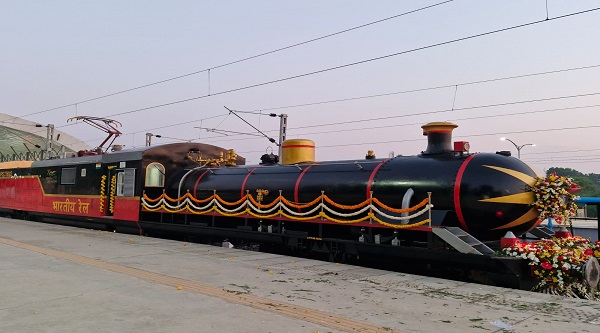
117,182
125,182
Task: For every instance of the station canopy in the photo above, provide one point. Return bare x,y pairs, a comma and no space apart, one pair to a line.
24,140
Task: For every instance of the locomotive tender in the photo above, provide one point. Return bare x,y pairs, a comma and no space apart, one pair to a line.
368,207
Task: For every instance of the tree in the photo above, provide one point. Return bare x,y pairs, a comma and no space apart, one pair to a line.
590,184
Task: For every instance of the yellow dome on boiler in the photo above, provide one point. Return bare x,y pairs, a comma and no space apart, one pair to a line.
297,151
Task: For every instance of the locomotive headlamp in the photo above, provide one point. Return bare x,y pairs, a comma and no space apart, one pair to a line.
461,146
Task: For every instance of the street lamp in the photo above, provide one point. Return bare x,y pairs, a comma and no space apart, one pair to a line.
519,147
149,138
282,128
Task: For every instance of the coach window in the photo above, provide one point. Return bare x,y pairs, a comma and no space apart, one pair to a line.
67,176
155,175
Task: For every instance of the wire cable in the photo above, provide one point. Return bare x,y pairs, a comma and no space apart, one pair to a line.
257,111
238,61
448,110
467,136
425,89
352,64
415,114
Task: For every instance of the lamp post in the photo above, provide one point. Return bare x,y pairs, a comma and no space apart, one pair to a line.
282,128
149,138
519,147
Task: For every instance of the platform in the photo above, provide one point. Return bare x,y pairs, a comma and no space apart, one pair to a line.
64,279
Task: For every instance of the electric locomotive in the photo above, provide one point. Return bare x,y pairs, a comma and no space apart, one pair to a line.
483,194
381,207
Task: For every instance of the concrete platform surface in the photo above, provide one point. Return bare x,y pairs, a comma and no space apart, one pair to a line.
63,279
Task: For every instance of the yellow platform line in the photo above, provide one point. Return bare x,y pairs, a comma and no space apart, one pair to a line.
315,316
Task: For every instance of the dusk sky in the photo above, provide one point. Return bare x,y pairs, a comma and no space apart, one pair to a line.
351,75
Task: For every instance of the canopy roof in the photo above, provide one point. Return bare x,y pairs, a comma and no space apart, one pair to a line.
22,139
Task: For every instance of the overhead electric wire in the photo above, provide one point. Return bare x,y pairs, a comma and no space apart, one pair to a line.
562,151
467,136
415,123
352,64
460,136
240,60
570,162
423,89
455,119
443,111
451,110
346,65
412,115
178,124
564,159
356,63
386,94
254,127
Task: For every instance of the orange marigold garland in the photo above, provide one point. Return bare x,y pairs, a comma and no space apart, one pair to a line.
552,198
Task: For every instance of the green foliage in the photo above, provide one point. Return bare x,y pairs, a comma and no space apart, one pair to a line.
590,184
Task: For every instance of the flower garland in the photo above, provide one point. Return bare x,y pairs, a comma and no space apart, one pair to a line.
557,264
553,199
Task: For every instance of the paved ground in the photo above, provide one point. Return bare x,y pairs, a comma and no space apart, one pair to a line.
63,279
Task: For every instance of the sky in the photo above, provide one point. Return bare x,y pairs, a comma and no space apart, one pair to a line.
350,75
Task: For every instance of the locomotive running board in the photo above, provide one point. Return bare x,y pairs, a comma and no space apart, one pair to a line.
461,240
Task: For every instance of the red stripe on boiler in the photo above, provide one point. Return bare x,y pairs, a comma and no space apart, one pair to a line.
457,208
370,183
297,186
244,183
198,181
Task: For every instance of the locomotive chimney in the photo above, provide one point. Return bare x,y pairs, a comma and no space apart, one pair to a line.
439,137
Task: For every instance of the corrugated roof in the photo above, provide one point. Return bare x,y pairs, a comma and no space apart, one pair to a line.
22,139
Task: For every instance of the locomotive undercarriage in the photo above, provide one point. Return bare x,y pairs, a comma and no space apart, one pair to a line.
416,252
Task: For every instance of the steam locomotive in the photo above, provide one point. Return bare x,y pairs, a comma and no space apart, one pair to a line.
383,207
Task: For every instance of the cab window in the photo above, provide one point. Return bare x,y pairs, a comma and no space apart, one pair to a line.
155,175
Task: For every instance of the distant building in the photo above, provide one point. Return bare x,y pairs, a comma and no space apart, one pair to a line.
24,140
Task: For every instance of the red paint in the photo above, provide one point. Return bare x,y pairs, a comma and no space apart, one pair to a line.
198,181
243,190
536,224
437,131
370,183
127,208
297,186
298,146
27,194
457,208
563,233
509,240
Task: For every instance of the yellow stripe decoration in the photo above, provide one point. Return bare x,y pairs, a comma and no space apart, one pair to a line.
525,198
525,218
527,179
